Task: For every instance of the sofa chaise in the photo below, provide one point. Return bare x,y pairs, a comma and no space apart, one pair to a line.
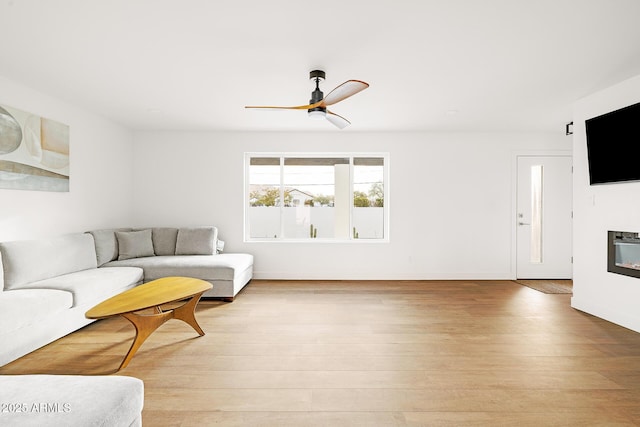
47,285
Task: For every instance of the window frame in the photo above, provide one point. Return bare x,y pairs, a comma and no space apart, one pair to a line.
281,156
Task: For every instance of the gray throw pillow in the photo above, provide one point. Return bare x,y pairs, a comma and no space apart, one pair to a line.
106,244
196,241
1,274
134,244
164,240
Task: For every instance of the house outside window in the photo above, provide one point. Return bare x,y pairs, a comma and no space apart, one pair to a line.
316,197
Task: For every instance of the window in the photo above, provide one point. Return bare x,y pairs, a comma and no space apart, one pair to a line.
536,213
316,197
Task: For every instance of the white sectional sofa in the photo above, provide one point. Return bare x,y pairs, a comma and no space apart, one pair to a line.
47,285
169,251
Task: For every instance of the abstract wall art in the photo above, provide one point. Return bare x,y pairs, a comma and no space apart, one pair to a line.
34,152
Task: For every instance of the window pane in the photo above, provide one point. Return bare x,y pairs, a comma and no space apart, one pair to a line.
536,214
368,198
310,197
264,198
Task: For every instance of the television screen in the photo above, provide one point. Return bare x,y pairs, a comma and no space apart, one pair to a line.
613,146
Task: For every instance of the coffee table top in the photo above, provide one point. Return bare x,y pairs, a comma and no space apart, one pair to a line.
150,294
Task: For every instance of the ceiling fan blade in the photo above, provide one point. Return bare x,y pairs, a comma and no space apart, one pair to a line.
345,90
337,120
297,107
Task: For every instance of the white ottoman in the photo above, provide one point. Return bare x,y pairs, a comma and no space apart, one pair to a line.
70,400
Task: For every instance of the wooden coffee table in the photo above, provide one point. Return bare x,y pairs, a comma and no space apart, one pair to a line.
152,295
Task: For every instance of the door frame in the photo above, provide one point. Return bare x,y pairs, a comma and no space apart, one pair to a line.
514,196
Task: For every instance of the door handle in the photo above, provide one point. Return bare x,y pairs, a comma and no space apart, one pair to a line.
523,223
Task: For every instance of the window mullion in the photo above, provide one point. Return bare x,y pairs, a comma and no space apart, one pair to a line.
282,236
351,172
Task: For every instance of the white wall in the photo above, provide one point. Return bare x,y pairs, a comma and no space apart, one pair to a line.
598,209
100,174
450,201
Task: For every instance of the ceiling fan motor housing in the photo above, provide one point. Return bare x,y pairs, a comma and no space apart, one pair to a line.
317,95
317,74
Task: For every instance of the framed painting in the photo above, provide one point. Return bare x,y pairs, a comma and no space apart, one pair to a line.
34,152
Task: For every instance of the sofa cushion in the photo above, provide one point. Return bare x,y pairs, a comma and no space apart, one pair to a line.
73,400
164,240
92,286
106,244
23,307
205,267
27,261
134,244
196,241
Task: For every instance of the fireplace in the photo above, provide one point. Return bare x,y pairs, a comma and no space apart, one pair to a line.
623,255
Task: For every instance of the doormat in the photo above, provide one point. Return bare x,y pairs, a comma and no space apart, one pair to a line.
549,286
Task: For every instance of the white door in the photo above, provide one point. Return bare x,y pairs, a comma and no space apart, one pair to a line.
544,217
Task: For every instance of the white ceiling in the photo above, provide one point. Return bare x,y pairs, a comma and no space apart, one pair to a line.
194,64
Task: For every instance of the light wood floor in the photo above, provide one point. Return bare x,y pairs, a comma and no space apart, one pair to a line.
387,353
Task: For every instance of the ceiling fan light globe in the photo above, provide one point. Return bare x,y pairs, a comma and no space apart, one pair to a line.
317,115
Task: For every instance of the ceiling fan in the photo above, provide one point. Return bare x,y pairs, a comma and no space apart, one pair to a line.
317,107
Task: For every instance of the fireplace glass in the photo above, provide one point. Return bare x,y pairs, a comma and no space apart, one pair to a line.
624,253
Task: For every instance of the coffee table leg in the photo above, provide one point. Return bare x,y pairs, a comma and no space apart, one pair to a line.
187,313
145,325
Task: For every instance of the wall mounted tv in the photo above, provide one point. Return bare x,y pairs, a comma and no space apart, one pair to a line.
613,146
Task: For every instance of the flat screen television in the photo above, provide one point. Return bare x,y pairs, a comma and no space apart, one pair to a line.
613,146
